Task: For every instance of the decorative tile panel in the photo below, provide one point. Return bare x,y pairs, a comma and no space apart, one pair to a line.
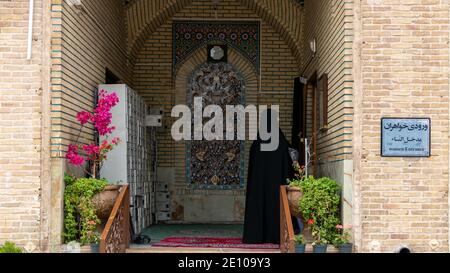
243,36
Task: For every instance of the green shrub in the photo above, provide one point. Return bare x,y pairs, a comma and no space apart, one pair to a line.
80,219
10,247
295,183
320,206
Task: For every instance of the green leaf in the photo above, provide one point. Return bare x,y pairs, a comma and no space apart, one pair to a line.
80,219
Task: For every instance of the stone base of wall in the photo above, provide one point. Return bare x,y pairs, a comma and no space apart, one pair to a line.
211,207
200,206
342,172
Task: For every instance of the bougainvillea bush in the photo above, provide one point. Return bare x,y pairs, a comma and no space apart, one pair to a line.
101,119
80,219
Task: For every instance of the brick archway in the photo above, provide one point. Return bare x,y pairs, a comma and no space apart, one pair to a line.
145,16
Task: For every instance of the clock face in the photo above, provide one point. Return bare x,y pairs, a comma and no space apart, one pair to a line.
217,53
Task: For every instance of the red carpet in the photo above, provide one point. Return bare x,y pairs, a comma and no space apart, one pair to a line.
208,242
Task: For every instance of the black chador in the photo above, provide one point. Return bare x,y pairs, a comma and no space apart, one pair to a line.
266,173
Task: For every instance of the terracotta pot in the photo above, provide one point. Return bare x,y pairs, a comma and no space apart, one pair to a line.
104,201
294,194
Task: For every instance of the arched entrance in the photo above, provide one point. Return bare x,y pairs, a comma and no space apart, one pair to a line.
218,163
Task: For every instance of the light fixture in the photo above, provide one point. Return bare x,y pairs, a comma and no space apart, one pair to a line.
74,2
313,46
77,4
303,80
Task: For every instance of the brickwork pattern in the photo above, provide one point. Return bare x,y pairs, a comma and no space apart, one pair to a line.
405,66
20,124
330,24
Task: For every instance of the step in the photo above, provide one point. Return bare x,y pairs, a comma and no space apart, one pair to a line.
197,250
149,249
330,249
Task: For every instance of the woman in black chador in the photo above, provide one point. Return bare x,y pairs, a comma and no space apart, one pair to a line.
267,171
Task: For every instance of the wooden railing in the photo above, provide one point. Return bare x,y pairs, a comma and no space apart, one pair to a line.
287,239
115,237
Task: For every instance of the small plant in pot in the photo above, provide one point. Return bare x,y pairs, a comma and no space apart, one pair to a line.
94,241
83,201
300,244
320,244
342,240
294,192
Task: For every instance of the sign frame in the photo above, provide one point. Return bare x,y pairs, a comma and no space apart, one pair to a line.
405,156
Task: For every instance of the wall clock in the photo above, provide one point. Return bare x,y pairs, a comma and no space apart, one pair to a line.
217,53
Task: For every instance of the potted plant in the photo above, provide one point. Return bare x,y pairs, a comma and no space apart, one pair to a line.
319,247
320,244
300,244
294,192
94,240
89,200
80,217
342,240
320,205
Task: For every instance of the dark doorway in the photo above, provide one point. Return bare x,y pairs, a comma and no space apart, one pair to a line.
298,119
111,78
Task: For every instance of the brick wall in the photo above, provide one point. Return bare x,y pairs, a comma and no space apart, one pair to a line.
84,42
89,41
404,66
20,124
402,72
330,23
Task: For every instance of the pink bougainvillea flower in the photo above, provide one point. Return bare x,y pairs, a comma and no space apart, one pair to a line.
115,141
102,116
105,146
84,117
107,101
101,119
91,149
73,156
